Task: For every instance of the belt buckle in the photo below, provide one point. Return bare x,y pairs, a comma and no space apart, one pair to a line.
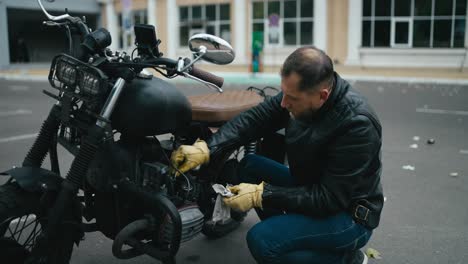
356,212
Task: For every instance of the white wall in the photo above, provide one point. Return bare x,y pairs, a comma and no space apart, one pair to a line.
241,17
152,13
320,24
354,31
172,28
4,41
112,24
421,58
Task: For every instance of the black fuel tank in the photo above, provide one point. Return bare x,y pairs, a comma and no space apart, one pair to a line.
150,107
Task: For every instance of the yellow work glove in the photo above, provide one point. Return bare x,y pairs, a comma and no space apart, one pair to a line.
246,196
188,157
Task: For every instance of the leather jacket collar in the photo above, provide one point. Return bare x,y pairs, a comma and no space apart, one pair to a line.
339,89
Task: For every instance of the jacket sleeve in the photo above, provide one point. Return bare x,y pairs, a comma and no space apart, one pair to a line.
350,161
266,117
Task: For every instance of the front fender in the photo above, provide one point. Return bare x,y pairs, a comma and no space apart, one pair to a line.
32,179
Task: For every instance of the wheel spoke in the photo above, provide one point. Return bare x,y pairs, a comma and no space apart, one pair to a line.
32,235
22,228
11,232
21,223
17,225
34,238
29,246
17,232
25,226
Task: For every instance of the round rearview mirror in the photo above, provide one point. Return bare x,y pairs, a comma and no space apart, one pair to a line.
216,50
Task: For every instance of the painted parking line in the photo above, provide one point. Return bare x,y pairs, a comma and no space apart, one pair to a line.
15,112
16,138
18,88
441,111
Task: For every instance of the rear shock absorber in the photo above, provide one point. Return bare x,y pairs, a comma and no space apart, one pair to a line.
49,128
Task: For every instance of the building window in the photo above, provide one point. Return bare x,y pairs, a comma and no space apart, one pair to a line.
414,23
126,34
140,17
284,22
213,19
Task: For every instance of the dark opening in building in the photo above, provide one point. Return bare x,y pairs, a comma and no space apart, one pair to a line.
31,41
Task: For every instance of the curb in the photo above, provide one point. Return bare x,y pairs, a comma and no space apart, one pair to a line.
23,77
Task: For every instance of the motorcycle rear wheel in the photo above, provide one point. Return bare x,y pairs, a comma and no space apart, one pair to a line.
21,223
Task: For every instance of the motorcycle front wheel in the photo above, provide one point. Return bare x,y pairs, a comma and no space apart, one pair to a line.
21,222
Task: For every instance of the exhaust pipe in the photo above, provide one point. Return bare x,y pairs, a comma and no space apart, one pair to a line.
154,203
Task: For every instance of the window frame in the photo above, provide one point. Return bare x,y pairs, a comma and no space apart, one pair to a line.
393,32
266,29
411,19
217,23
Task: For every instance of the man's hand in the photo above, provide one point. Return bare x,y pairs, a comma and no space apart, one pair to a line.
187,157
246,196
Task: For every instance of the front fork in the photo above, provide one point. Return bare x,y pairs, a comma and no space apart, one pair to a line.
49,128
72,182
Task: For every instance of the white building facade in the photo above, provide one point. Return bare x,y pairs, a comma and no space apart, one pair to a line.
363,33
355,33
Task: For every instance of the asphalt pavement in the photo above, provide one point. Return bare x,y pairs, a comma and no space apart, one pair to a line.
426,185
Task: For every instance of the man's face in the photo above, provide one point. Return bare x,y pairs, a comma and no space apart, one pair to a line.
301,104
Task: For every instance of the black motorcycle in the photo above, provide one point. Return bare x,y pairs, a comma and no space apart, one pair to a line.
108,114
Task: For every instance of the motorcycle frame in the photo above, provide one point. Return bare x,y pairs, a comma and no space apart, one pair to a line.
98,133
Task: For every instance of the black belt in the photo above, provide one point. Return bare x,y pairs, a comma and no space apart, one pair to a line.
363,213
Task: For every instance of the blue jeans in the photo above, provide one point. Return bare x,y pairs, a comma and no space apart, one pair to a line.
293,238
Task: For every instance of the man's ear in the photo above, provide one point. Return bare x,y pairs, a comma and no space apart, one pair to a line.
324,94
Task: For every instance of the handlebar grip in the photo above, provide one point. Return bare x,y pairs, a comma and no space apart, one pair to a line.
206,76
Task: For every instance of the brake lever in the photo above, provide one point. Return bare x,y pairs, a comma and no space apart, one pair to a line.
53,24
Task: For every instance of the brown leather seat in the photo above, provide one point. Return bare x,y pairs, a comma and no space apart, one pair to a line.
221,107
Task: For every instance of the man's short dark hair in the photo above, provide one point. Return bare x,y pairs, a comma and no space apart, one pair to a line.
312,65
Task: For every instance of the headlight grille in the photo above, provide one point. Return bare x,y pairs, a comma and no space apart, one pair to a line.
89,83
80,79
66,73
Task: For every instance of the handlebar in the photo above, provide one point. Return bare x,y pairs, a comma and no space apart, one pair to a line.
74,20
162,61
194,71
76,31
51,17
207,76
83,43
83,29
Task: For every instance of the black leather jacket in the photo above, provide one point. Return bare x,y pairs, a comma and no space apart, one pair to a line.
335,156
